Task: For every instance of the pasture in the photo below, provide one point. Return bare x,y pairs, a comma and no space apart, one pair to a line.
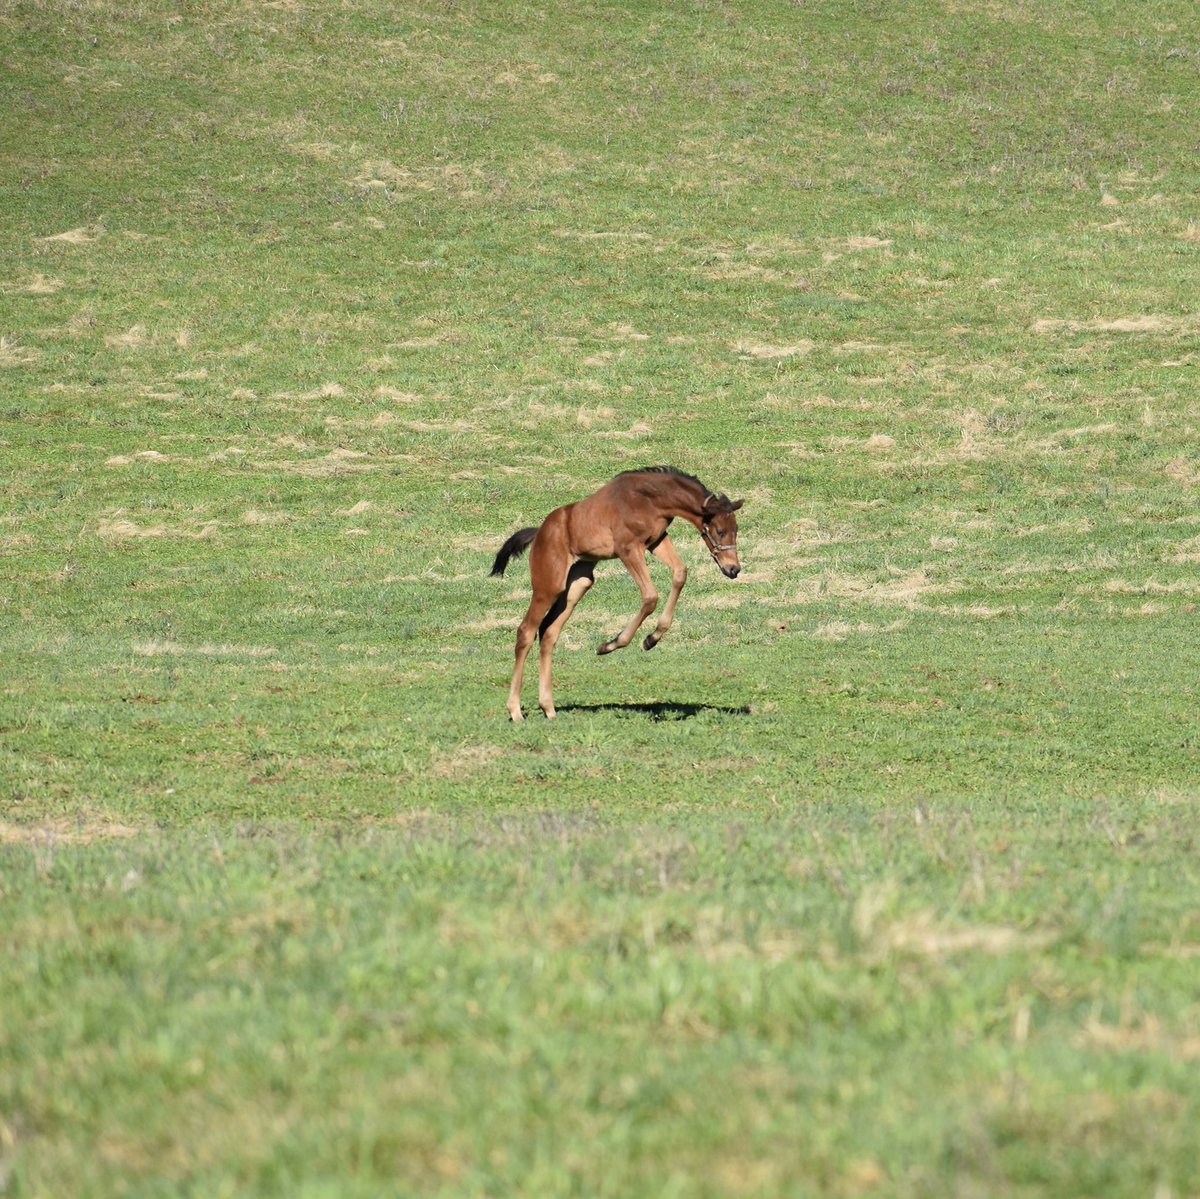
877,877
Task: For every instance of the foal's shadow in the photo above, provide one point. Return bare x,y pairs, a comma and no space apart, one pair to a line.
664,710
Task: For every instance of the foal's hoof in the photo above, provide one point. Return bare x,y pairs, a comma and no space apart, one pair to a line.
607,647
515,714
650,642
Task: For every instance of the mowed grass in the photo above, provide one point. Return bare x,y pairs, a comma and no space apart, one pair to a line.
876,877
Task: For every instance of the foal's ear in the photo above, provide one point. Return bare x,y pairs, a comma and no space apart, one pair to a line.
736,505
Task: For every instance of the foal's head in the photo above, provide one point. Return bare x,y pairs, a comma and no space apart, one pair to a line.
718,527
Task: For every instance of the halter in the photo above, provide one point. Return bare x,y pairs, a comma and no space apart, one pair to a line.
706,536
709,540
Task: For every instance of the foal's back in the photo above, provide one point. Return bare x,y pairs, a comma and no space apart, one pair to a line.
623,512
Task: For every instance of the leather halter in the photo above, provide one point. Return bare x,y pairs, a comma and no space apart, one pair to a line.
709,540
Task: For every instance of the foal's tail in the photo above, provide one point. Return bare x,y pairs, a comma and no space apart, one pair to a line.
518,543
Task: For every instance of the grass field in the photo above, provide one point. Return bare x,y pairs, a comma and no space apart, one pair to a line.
878,877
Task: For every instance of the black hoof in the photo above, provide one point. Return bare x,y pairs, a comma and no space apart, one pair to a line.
607,647
650,642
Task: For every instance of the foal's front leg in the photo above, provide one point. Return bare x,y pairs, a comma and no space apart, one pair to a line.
664,551
635,563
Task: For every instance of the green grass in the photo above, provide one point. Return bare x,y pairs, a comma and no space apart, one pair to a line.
877,876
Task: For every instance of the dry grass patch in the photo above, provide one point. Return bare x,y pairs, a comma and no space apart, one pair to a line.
805,532
628,333
77,830
751,349
139,456
385,176
588,418
853,245
1145,1036
464,761
1183,472
336,462
905,588
122,529
35,285
635,432
168,648
605,234
1145,323
724,598
255,516
1185,553
396,396
728,270
1151,587
924,935
840,630
488,624
136,338
329,390
74,237
14,354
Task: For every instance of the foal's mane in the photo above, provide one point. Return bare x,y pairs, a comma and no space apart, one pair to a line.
668,470
675,472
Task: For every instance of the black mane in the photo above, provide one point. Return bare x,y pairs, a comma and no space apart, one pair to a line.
668,470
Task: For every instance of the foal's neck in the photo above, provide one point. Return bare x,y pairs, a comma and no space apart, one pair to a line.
687,499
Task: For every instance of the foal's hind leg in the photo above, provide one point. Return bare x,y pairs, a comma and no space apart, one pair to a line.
548,563
579,579
526,632
664,551
635,562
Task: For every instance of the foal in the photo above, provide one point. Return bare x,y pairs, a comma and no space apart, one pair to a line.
625,519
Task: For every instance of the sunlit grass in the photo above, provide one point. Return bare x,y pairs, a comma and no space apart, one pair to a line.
876,876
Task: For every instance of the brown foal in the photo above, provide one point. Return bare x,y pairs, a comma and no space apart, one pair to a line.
627,518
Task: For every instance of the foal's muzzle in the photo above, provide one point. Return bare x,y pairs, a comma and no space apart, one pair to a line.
730,572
